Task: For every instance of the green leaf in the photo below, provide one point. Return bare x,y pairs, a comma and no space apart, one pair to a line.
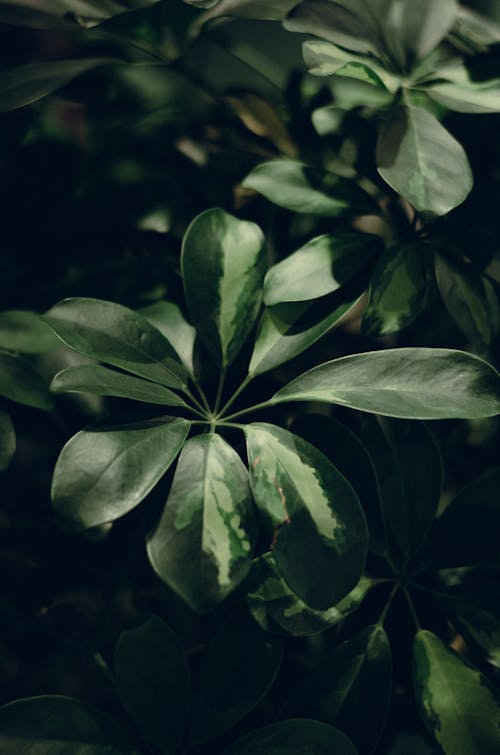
236,672
223,266
457,703
470,299
20,382
93,378
276,608
326,59
293,736
320,267
202,546
467,98
31,82
352,684
311,514
351,458
300,188
169,320
410,383
7,440
56,725
414,30
104,472
286,330
397,291
152,678
115,334
467,532
25,331
420,160
264,10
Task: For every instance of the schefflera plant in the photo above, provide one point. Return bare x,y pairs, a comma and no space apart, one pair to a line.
309,515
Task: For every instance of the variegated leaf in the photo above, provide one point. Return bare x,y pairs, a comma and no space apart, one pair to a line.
314,522
202,546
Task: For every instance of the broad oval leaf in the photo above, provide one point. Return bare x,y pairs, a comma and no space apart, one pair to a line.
467,97
397,291
202,546
276,608
237,670
152,678
104,472
223,266
410,383
311,514
422,161
352,684
300,188
101,381
470,299
7,440
414,30
326,59
298,735
457,703
25,331
20,382
169,320
115,334
56,725
320,267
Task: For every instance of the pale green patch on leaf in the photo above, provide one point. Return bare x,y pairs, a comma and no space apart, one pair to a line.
20,382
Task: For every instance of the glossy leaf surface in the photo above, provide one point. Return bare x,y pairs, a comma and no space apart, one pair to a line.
202,546
315,525
7,440
25,331
169,320
104,472
20,382
295,735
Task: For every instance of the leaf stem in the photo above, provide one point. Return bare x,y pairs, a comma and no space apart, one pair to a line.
220,388
388,604
253,408
235,395
195,401
411,606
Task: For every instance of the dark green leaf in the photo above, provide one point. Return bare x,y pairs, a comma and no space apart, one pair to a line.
320,267
293,736
236,672
277,609
410,383
115,334
471,301
202,546
299,188
7,440
104,472
20,382
397,291
152,678
55,725
313,520
93,378
25,331
420,160
169,320
352,685
467,532
457,704
265,10
223,267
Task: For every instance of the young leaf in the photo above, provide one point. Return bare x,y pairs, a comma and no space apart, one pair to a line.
56,725
326,59
410,383
20,382
7,440
297,187
104,472
276,608
25,331
467,532
457,704
312,516
420,160
223,265
202,546
237,670
397,291
115,334
320,267
152,678
354,683
470,299
293,736
169,320
93,378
